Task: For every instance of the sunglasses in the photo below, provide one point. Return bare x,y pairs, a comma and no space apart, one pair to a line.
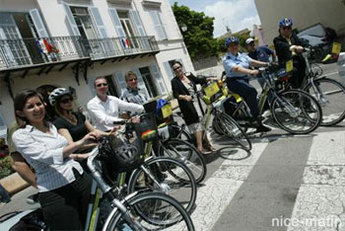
176,68
102,84
67,100
286,28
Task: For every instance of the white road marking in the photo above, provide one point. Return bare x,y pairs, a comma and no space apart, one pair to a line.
219,189
320,204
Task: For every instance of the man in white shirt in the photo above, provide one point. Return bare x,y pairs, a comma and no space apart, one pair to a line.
104,109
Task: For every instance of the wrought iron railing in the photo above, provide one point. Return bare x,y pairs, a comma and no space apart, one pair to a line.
29,52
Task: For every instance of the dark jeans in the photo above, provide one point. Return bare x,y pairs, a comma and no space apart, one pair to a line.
242,87
65,208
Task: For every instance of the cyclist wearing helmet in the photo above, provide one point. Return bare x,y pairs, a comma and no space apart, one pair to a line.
104,109
237,71
71,124
288,46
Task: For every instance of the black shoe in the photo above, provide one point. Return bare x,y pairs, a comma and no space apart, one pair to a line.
262,128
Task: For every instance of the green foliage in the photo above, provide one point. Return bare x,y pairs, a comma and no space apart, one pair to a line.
199,34
5,167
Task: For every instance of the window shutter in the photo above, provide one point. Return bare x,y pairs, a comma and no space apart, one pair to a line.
71,21
38,22
157,23
115,19
120,82
99,22
168,70
134,15
158,79
141,83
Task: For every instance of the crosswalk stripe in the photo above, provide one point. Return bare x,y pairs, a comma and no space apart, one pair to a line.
320,203
221,187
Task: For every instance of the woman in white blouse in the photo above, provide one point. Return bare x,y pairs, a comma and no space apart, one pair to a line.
63,187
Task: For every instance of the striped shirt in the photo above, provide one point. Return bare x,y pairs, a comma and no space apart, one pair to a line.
44,153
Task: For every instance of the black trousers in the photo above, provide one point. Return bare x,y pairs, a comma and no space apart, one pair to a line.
242,87
65,208
298,75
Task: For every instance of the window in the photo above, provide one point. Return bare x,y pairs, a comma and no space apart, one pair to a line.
128,28
158,25
149,84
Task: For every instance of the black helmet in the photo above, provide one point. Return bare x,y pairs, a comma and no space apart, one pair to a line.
121,153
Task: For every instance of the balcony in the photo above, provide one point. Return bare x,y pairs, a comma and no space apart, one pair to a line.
119,48
45,54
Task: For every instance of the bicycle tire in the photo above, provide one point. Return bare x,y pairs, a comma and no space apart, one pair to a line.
170,176
146,211
331,96
215,127
293,107
231,129
182,133
187,153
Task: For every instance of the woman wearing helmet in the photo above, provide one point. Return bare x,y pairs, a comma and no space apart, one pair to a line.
288,46
73,125
237,70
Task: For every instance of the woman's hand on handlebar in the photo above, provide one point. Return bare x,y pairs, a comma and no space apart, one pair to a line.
90,138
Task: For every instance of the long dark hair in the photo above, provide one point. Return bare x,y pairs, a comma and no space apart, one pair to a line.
19,104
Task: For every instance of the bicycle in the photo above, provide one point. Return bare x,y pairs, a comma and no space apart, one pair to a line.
174,147
329,93
147,172
214,95
295,111
137,211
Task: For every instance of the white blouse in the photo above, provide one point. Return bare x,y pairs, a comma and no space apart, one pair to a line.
44,153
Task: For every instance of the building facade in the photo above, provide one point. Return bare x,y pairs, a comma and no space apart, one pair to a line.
304,13
68,43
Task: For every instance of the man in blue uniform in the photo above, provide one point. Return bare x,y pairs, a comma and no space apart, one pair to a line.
237,71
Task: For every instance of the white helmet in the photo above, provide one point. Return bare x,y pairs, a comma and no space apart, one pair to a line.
56,94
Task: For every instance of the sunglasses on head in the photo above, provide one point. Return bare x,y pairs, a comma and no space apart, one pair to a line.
102,84
67,100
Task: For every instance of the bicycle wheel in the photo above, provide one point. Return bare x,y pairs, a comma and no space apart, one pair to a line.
331,96
232,130
296,111
166,175
187,153
181,133
149,211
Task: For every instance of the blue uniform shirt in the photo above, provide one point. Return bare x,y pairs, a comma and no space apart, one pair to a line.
230,61
261,53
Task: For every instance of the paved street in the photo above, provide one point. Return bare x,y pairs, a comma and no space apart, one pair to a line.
286,182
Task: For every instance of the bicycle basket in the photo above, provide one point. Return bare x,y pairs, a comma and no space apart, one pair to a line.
121,153
147,127
211,92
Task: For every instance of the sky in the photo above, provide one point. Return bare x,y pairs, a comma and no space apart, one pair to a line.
236,14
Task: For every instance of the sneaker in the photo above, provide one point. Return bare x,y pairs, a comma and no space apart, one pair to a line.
263,128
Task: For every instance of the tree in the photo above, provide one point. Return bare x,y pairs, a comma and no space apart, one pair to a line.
199,34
